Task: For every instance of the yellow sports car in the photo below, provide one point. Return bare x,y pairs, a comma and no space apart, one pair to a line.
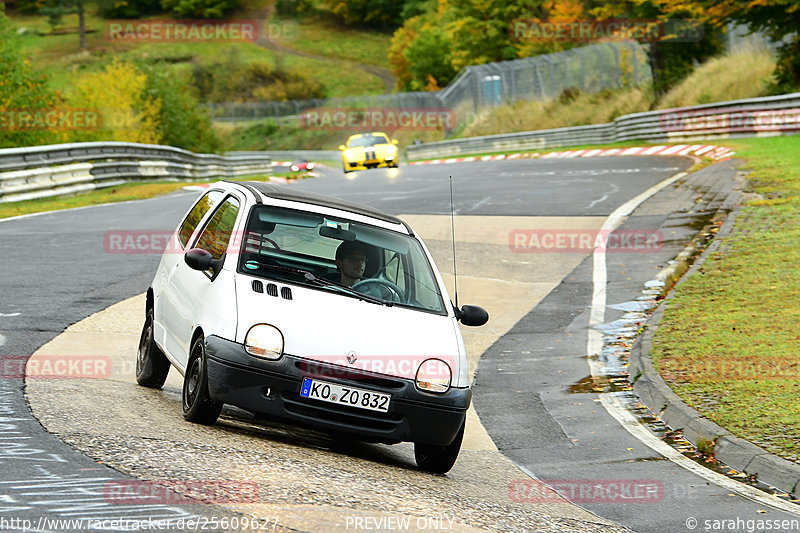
369,150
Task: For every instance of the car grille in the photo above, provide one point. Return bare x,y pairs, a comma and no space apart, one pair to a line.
342,414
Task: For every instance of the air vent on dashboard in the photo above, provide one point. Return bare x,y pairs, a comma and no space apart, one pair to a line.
286,293
258,286
272,289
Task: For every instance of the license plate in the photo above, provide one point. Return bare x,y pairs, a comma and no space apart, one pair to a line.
333,393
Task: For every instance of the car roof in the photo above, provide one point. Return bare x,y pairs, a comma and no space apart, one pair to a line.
368,134
286,193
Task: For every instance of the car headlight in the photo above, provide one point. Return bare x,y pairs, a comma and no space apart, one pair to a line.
434,375
265,341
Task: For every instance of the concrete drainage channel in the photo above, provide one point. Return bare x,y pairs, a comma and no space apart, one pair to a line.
630,338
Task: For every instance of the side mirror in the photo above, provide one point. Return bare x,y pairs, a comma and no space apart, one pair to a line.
341,147
472,315
394,141
199,259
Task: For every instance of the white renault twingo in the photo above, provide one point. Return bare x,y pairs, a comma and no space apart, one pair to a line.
313,310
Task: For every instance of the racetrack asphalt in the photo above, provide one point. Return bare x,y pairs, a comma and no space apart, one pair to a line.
71,276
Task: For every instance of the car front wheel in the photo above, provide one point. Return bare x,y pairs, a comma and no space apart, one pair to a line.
439,459
197,403
152,366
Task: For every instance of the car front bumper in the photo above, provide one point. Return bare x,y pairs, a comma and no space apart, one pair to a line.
365,165
272,388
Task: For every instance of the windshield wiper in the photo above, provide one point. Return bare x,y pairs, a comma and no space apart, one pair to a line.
311,278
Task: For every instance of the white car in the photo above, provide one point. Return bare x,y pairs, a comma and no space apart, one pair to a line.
313,310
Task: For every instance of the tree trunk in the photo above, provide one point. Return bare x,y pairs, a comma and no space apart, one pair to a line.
82,25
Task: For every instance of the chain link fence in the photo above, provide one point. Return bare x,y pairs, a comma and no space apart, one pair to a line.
592,68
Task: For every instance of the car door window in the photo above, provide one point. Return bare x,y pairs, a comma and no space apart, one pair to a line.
203,206
217,233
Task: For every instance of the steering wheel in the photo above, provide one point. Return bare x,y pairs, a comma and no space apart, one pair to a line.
381,288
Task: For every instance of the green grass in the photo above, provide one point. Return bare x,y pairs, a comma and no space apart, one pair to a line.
61,58
722,78
317,35
728,343
121,193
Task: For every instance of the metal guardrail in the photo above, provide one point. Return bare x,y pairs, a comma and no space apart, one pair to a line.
52,170
293,155
768,116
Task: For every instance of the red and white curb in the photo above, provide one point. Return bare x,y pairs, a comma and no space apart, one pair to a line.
717,153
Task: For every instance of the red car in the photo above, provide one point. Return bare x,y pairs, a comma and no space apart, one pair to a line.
302,164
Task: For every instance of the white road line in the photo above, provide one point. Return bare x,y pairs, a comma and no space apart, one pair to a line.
611,401
2,340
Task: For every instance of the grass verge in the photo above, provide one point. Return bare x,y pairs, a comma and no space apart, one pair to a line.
61,58
121,193
728,342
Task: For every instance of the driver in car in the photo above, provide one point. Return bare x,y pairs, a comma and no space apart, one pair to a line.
351,260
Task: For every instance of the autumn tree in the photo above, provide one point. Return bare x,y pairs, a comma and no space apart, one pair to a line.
778,19
686,40
118,94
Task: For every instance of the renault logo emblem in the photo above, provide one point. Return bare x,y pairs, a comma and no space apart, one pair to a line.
351,357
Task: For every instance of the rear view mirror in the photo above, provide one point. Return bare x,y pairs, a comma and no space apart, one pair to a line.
472,315
341,147
337,233
199,259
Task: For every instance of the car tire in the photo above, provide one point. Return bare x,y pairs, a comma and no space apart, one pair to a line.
439,459
198,406
344,169
152,366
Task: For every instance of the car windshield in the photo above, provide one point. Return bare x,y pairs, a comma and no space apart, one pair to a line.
370,140
300,247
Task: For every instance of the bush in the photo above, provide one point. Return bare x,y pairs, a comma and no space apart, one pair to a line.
128,9
204,9
231,80
22,90
182,121
293,7
381,14
787,69
118,94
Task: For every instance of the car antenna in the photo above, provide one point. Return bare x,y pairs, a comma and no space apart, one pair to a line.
453,235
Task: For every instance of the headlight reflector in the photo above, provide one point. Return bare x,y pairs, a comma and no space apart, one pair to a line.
434,375
264,341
